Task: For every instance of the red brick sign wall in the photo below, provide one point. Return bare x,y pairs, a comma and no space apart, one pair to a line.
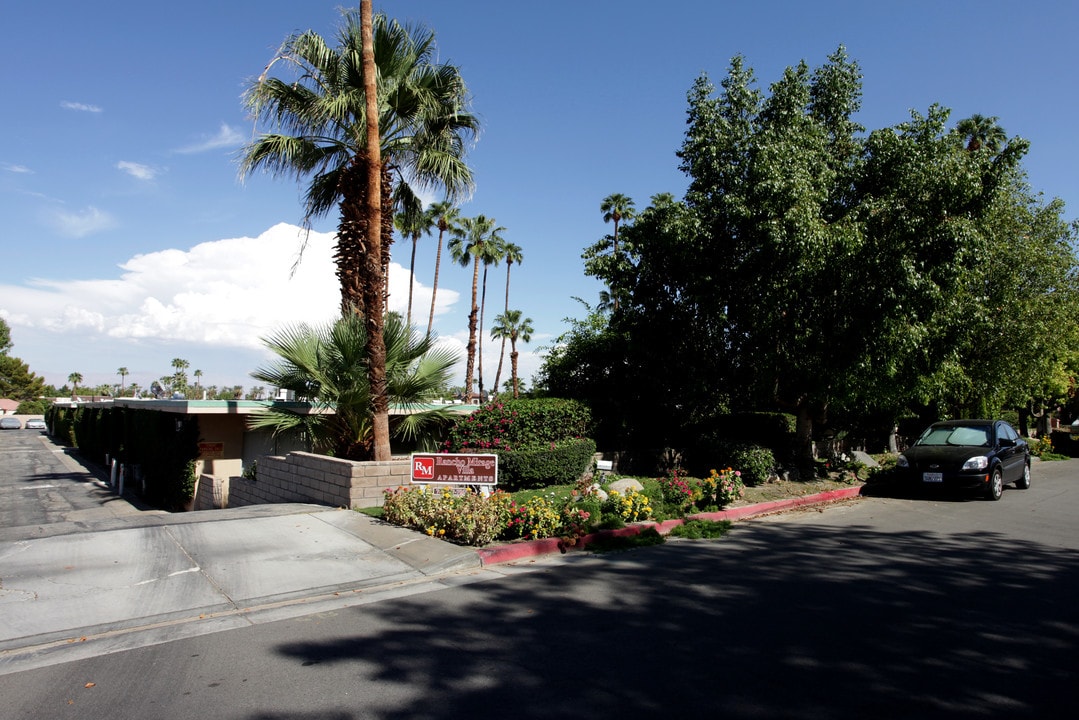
455,469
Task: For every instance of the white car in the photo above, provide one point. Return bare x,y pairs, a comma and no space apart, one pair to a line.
35,424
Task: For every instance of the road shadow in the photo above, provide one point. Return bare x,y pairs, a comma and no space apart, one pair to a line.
775,621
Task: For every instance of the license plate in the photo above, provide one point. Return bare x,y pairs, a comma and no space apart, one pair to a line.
932,477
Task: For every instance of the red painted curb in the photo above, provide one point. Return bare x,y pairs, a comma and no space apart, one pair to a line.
531,548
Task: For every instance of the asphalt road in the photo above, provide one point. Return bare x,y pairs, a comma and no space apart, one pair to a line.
40,484
889,607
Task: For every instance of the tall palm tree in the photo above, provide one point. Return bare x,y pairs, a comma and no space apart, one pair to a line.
179,377
469,245
335,122
198,381
413,222
510,325
513,254
981,131
123,373
326,366
616,208
493,252
446,216
74,378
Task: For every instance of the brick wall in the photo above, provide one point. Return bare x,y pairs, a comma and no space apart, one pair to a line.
307,478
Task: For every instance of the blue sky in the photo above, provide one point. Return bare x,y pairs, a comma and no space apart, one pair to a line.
129,241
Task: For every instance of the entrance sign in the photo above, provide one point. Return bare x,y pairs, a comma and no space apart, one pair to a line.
454,469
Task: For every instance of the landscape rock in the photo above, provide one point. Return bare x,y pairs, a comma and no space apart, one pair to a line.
624,485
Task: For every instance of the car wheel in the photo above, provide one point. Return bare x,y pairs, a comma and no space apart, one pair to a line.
1024,482
996,485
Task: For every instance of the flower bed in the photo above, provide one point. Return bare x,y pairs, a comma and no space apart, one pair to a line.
564,512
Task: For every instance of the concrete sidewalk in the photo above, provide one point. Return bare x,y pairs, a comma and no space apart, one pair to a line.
67,586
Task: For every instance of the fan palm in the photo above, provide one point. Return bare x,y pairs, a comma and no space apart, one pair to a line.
413,222
446,216
324,125
513,254
471,244
981,131
327,367
510,325
616,208
74,378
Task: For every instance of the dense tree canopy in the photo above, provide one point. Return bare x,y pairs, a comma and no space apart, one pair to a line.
5,337
16,380
817,269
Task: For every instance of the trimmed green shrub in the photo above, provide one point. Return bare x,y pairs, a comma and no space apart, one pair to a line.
162,445
544,463
516,423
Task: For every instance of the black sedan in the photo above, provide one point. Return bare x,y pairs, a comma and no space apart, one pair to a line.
969,454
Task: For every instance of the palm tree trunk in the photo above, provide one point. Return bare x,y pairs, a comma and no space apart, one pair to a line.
513,369
375,285
614,254
434,286
483,308
502,351
411,279
470,365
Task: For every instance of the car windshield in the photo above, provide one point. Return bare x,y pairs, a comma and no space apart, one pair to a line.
968,435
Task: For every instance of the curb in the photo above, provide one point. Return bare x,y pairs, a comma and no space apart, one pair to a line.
532,548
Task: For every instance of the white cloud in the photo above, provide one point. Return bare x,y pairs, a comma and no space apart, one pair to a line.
20,169
226,293
81,107
82,223
226,137
138,170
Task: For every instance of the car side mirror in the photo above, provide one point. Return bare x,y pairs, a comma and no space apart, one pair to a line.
1005,442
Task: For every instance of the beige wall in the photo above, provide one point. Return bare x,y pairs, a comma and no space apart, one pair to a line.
305,477
227,429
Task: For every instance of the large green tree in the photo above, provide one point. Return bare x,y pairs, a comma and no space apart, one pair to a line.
5,337
17,382
812,268
325,127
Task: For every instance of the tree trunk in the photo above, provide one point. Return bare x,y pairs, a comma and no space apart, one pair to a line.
434,286
375,278
411,281
513,370
502,351
804,440
479,349
470,364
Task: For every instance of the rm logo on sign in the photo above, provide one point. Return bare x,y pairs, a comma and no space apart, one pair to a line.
423,468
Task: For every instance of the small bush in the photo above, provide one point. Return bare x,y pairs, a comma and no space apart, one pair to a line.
1040,446
719,489
631,507
469,518
676,493
756,463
